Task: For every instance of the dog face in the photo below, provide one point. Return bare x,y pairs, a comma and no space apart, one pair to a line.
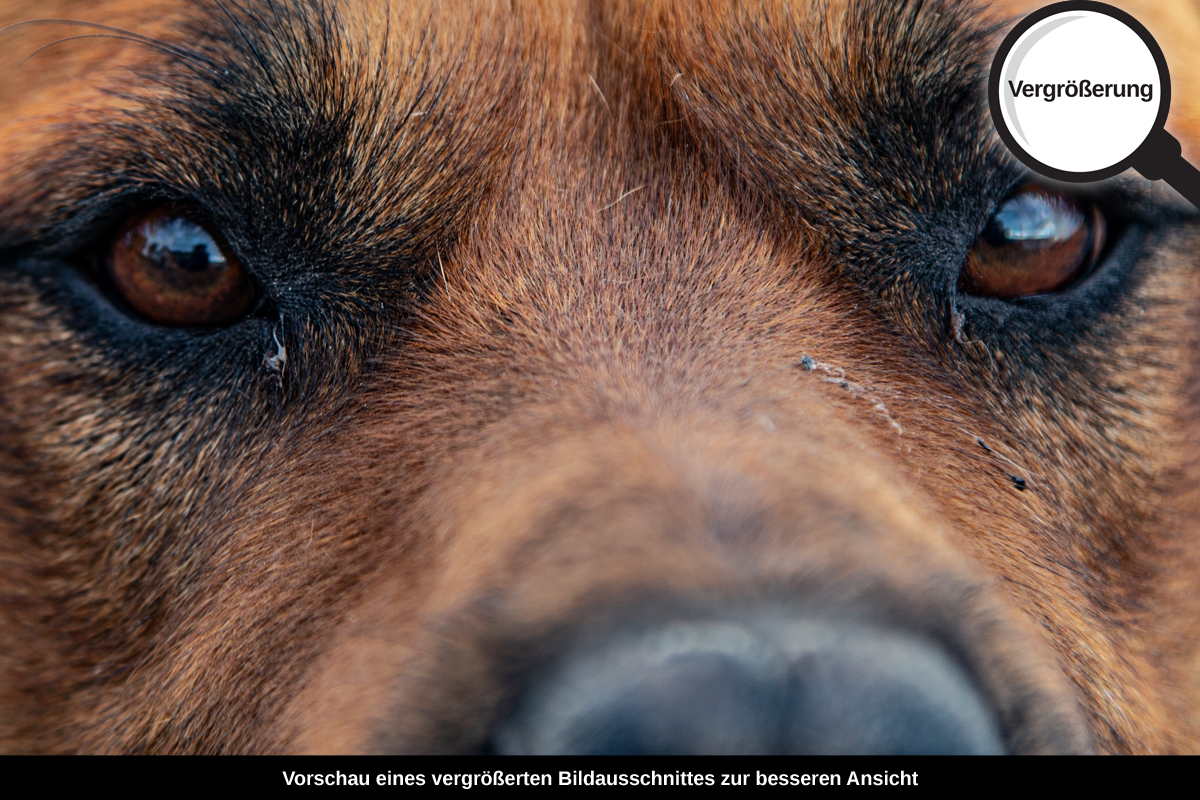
580,377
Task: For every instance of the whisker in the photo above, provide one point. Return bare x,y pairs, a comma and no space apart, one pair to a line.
91,36
113,32
262,62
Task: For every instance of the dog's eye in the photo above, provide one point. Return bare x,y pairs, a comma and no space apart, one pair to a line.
172,271
1038,241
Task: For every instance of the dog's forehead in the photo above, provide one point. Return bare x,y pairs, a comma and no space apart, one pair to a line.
771,68
75,50
79,66
797,98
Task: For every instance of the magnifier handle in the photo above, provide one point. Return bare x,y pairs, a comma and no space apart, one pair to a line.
1161,158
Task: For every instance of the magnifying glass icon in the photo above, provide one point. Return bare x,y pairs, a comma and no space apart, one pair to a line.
1080,91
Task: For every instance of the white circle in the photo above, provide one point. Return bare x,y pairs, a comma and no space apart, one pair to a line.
1111,73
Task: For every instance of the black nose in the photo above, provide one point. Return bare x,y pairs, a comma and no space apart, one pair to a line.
768,685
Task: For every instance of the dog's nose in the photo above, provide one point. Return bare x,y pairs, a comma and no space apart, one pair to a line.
771,684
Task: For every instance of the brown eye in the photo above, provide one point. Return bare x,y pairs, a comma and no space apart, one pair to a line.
172,271
1039,241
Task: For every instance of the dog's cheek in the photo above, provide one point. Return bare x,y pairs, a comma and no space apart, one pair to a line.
117,496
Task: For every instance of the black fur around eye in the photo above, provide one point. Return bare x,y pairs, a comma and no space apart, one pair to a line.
173,271
1038,242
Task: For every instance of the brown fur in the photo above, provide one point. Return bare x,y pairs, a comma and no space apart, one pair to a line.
584,304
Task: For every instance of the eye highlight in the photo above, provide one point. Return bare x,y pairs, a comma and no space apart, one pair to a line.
171,270
1039,241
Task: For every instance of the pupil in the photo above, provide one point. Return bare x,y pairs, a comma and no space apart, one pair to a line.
194,261
1033,219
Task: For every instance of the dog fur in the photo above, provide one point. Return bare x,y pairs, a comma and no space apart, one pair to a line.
570,308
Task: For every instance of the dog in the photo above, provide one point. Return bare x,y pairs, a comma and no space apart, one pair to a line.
439,377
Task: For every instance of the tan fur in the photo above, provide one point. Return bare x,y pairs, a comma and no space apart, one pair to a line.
634,227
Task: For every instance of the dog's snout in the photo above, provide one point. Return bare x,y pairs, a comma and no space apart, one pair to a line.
766,684
689,605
